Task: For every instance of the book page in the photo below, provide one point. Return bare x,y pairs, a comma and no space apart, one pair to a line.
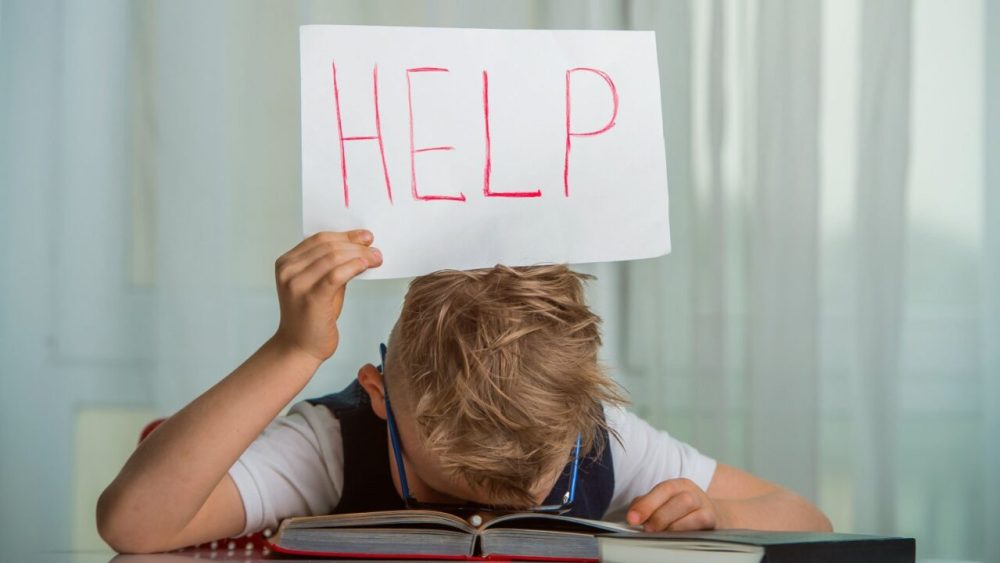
542,521
381,518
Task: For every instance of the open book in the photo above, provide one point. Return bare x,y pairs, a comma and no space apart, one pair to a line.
425,534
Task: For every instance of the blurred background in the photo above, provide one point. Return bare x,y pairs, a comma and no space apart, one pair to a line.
829,317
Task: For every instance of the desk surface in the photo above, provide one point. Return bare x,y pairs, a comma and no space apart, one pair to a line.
183,556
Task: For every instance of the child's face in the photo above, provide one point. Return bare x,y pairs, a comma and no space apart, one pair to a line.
429,482
425,477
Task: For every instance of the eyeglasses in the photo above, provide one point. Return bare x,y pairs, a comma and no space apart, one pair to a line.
469,508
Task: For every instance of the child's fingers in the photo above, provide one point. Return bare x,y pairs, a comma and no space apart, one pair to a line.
643,507
696,520
331,260
337,278
360,236
677,507
317,251
357,236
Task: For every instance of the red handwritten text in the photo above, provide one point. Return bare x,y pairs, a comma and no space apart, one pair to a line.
488,169
377,136
414,150
569,131
488,191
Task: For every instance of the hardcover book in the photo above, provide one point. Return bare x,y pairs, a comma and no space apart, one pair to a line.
739,546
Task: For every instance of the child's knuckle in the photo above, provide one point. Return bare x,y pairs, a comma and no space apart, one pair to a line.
297,286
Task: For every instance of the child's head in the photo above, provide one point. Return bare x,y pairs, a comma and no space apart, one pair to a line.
494,374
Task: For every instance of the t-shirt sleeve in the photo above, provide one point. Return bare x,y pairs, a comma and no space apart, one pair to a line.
645,457
294,468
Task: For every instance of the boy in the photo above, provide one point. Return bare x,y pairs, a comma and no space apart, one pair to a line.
490,395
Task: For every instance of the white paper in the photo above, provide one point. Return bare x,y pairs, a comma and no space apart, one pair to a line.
604,200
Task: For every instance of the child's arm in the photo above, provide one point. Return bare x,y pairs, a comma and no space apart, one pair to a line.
735,499
175,489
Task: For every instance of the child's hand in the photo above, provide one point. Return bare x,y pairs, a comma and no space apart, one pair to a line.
675,504
311,279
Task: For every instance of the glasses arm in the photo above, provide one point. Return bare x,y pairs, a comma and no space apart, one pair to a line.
393,432
576,466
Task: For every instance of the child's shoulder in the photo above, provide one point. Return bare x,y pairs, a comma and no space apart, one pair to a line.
618,417
311,415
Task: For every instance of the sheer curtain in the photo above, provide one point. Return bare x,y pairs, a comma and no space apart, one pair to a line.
829,316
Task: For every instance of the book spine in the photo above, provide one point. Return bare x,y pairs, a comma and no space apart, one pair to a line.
501,557
339,555
894,551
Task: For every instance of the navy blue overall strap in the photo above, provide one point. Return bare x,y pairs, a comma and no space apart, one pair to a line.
367,477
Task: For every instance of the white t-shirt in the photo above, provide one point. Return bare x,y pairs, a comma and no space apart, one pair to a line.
295,467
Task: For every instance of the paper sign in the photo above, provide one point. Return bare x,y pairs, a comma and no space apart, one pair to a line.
466,148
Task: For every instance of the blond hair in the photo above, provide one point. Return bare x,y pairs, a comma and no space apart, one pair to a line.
498,367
